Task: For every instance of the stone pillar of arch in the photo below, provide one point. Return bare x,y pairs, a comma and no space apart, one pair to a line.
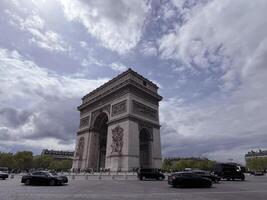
113,118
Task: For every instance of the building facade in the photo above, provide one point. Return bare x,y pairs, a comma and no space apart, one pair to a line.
119,126
256,154
59,155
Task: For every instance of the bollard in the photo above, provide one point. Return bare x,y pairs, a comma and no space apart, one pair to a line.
73,177
125,177
12,176
99,176
113,177
86,177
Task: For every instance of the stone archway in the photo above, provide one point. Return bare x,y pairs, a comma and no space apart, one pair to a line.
145,151
101,128
114,118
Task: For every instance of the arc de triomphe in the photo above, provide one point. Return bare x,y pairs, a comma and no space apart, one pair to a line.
119,126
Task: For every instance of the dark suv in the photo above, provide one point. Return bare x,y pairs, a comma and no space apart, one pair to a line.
228,171
150,174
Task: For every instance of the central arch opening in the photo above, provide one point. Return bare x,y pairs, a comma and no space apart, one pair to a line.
145,148
102,128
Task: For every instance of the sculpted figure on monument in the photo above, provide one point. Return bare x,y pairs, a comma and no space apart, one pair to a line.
79,151
117,139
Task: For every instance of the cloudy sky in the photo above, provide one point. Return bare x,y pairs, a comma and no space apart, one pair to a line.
207,56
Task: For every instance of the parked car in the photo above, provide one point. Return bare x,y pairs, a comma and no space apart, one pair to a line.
188,179
258,173
43,178
228,171
213,177
150,174
3,175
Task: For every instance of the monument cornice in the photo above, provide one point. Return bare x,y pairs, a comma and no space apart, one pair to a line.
134,118
83,131
123,155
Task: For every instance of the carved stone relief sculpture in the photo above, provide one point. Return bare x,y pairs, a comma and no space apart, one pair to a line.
119,108
117,139
145,111
84,122
79,151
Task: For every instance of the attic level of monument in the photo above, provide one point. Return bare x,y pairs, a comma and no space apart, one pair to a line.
128,78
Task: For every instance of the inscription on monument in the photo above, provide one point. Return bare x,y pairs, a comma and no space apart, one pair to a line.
117,139
119,108
145,111
84,122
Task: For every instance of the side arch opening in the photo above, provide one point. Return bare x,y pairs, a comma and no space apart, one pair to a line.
145,148
101,128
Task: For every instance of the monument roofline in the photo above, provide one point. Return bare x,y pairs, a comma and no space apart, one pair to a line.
128,75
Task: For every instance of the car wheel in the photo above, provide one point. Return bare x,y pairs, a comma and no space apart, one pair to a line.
209,184
52,182
4,178
243,178
27,182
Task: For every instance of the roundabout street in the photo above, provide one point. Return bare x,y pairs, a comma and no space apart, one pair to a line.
252,188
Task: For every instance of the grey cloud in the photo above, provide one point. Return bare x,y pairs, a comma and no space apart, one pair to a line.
219,126
14,118
46,103
184,146
56,119
4,134
117,25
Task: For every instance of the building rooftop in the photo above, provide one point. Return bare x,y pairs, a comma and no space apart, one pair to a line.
256,153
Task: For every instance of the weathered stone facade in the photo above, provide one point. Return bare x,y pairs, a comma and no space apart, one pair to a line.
119,125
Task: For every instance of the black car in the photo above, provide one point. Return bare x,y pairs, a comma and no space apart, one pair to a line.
3,175
213,177
228,171
188,179
150,174
43,178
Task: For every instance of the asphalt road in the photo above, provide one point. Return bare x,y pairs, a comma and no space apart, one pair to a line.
254,188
